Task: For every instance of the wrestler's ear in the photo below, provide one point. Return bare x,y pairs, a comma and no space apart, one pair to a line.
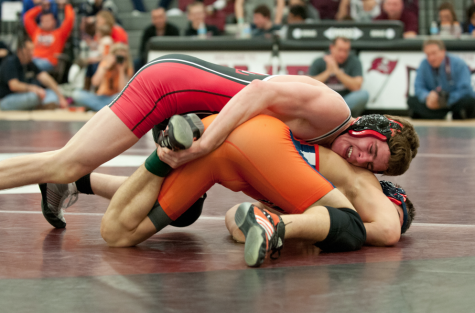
367,133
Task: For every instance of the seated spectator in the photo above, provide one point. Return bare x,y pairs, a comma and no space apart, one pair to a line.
263,23
297,14
90,8
196,15
327,8
113,73
449,26
311,13
360,10
471,20
118,34
342,72
20,81
244,10
104,39
49,41
394,10
160,27
139,7
4,51
442,85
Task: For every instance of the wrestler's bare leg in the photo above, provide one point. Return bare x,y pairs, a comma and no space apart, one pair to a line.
125,222
312,225
106,186
99,140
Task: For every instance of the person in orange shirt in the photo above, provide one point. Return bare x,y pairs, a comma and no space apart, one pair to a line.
112,75
48,39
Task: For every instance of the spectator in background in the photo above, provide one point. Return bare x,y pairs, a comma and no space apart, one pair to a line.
118,34
90,8
104,40
327,8
449,26
471,20
113,73
263,23
48,39
47,5
139,8
394,10
310,11
196,15
20,81
244,9
359,10
442,85
159,27
297,14
4,51
342,72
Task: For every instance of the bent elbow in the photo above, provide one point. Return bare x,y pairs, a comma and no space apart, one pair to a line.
391,237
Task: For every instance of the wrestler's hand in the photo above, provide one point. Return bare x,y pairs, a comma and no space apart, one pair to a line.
178,158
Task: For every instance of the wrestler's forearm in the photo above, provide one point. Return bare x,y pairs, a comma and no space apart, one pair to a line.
249,102
381,236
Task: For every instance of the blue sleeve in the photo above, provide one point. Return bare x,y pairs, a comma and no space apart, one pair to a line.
462,81
421,89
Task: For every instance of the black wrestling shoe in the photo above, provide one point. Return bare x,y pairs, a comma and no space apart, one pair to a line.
182,131
53,201
264,231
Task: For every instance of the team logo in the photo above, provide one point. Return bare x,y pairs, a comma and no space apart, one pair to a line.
384,66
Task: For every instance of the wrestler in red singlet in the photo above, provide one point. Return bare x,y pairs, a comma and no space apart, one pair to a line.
180,84
177,84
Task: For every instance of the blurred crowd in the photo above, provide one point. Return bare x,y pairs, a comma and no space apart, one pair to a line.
29,76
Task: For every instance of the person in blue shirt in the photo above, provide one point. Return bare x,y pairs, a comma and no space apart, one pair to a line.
443,84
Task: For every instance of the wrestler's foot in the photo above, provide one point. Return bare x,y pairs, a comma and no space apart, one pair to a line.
264,231
181,132
53,201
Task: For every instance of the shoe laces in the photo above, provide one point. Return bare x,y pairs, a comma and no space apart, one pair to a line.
276,242
72,195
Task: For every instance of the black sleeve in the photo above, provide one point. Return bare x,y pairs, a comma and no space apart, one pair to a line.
9,71
145,38
213,29
172,30
190,32
32,67
4,46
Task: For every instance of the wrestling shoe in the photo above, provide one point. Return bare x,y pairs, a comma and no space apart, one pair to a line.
53,201
182,131
264,231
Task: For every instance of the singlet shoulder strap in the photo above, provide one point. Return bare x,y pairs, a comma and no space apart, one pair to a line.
330,133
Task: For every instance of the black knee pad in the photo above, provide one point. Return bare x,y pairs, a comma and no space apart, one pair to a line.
347,231
191,215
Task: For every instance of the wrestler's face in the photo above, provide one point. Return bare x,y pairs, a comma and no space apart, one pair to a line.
367,152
